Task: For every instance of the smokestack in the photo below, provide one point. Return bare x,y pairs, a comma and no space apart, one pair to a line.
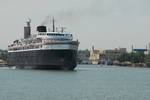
41,29
27,29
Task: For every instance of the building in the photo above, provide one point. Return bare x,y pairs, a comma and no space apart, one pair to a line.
96,56
2,62
112,55
144,51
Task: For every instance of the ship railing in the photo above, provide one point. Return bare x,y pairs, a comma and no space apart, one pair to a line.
61,42
24,47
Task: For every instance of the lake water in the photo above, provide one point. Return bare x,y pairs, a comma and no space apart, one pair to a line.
87,82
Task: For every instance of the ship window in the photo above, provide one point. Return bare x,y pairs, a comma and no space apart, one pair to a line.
55,34
42,33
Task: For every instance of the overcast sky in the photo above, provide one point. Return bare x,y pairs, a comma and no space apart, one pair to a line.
106,24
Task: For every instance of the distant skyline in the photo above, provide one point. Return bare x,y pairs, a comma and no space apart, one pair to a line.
106,24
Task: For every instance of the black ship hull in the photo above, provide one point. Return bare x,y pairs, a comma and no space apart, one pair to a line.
43,59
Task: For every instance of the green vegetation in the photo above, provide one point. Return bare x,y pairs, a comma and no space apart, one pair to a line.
3,54
134,57
83,55
147,60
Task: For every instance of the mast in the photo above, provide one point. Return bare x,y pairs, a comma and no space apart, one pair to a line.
62,29
53,25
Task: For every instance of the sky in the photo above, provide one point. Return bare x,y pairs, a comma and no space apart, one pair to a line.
104,24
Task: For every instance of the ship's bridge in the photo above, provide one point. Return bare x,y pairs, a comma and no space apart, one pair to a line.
55,36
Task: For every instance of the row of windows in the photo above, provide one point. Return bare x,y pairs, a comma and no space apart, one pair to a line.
50,34
59,39
55,34
28,47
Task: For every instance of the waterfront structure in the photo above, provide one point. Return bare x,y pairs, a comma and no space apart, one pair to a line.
112,55
144,51
2,62
96,56
44,50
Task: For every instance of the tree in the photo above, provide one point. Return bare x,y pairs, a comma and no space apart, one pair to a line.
134,57
3,54
147,60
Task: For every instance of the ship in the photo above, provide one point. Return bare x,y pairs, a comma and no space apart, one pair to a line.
44,49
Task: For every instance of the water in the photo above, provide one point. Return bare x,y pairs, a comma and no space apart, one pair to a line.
85,83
